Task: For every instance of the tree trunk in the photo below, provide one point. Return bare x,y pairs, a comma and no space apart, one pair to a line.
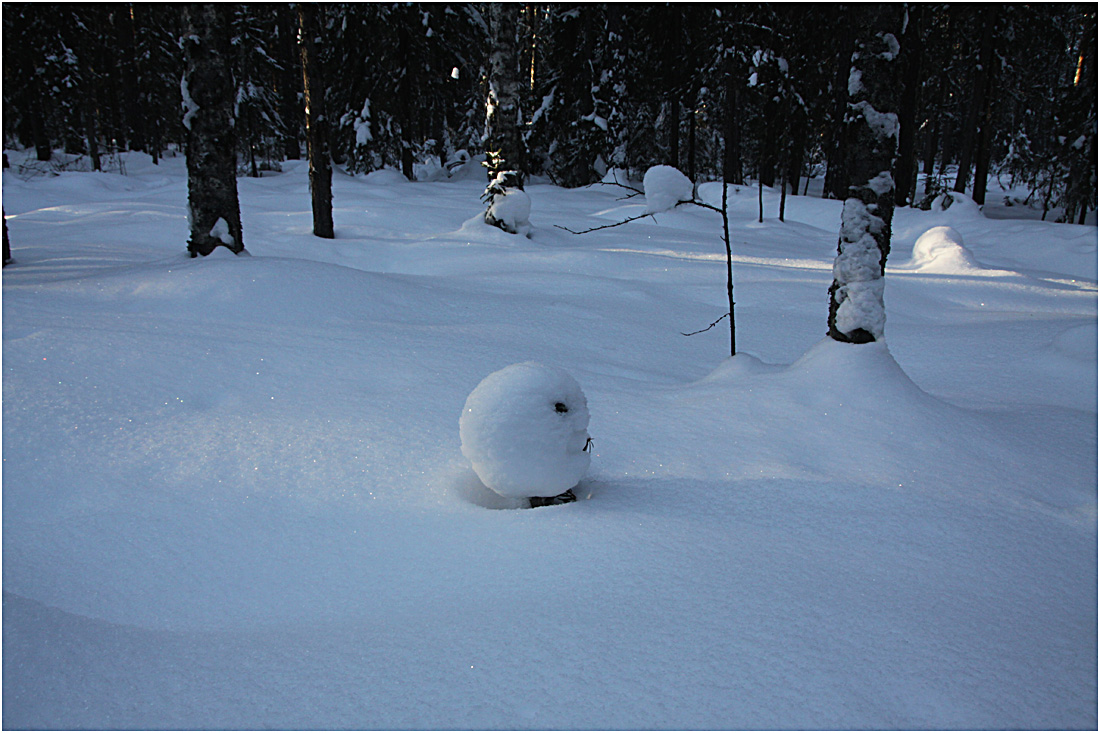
503,124
320,167
215,211
135,117
836,179
7,247
770,121
732,172
856,311
290,107
978,102
908,104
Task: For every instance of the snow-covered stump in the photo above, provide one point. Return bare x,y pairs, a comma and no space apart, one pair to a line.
509,205
524,430
856,310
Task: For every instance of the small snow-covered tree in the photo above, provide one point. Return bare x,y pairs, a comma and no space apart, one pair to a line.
208,95
856,310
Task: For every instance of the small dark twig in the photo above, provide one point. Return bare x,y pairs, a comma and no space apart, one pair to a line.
621,185
605,226
707,328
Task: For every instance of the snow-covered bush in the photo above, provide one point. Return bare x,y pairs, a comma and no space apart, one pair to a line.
524,430
509,205
665,187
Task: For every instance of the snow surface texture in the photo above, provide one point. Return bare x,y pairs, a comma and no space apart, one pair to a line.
665,187
234,494
524,430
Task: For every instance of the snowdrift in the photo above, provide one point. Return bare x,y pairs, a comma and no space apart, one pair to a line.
235,496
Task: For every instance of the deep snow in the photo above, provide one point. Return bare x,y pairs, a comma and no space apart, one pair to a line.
234,494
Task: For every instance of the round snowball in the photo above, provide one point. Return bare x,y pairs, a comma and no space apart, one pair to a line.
524,430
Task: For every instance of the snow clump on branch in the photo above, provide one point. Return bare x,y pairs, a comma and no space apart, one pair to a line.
664,188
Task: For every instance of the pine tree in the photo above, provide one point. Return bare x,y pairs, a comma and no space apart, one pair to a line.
856,311
208,95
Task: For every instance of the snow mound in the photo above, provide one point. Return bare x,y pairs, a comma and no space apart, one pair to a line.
957,205
664,188
941,250
512,209
385,177
524,430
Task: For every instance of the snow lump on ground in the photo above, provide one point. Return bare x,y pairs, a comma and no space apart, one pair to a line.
525,429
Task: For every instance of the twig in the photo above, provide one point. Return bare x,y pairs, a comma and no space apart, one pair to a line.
707,328
605,226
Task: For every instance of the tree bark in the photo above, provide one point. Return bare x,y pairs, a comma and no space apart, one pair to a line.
215,211
320,166
7,247
504,141
978,102
856,311
910,61
732,172
836,178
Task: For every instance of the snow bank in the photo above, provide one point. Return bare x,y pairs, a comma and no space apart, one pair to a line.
664,188
524,429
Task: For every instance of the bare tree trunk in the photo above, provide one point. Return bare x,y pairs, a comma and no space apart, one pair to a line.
7,247
732,172
320,167
856,311
907,106
214,209
504,141
977,100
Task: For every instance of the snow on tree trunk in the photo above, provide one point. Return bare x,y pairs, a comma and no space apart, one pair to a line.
320,169
503,123
856,310
208,96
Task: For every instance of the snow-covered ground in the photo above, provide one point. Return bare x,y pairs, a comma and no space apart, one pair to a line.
234,496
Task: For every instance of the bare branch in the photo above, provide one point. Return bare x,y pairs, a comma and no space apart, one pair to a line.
605,226
707,328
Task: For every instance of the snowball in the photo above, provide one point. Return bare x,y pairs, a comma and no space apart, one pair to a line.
512,209
664,188
941,250
524,430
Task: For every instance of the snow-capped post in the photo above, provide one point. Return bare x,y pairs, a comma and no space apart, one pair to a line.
856,310
317,143
214,211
